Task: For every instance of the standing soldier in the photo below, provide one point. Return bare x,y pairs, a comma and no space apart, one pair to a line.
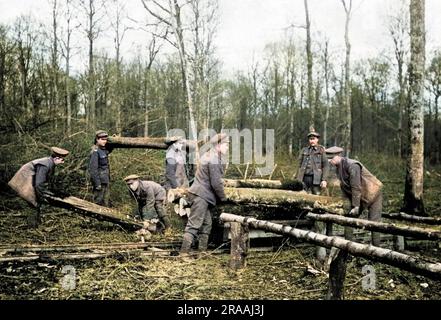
360,186
99,169
31,182
314,166
150,197
206,191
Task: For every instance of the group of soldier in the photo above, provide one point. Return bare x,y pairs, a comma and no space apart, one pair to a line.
206,190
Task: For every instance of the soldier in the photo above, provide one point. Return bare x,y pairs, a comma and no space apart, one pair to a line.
175,172
360,186
31,182
99,169
314,166
206,191
150,197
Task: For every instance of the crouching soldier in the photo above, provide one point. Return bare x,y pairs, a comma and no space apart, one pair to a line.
150,197
31,182
206,191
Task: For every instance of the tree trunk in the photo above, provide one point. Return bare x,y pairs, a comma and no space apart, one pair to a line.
347,85
239,245
309,65
409,263
412,218
413,192
146,142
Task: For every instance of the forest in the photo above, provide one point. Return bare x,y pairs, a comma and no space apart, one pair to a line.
59,85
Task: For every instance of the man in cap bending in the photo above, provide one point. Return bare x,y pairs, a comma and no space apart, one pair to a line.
31,182
314,168
206,191
99,169
360,186
150,197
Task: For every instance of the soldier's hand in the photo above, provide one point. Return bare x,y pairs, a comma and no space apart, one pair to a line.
98,188
323,184
355,212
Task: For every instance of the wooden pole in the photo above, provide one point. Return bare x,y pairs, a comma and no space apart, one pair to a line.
409,263
420,233
337,275
239,245
411,218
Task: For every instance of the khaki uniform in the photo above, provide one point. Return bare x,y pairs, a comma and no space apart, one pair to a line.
313,168
363,189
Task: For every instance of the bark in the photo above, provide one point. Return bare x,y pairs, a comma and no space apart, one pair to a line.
93,210
413,191
337,275
409,263
420,233
309,65
347,90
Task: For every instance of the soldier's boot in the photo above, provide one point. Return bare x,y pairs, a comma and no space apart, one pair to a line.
203,242
186,243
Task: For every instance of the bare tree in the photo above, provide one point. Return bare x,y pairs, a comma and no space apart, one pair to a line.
94,11
327,74
413,191
309,65
399,32
434,79
347,5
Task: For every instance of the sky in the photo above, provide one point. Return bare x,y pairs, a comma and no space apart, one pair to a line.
246,26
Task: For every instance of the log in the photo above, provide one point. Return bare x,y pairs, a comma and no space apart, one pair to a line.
420,233
95,211
289,199
161,143
337,275
411,218
253,183
240,243
141,142
409,263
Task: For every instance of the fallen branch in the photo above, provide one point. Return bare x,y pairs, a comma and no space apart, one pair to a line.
412,218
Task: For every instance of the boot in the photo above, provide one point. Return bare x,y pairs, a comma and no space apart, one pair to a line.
186,243
203,242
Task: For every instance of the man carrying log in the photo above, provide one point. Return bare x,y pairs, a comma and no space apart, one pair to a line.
206,191
314,167
99,169
31,182
150,197
360,186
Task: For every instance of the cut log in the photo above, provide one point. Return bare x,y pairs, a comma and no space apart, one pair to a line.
289,199
419,233
93,210
148,142
413,264
141,142
253,183
411,218
240,243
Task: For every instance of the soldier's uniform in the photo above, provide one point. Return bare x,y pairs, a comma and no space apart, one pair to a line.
99,172
31,181
361,187
150,197
175,172
313,167
206,191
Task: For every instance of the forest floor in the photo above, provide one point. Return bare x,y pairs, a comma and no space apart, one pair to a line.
287,272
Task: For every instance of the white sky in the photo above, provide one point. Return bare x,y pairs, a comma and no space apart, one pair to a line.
247,25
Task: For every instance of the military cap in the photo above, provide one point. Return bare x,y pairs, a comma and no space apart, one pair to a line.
334,150
219,138
101,134
313,134
131,177
58,152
